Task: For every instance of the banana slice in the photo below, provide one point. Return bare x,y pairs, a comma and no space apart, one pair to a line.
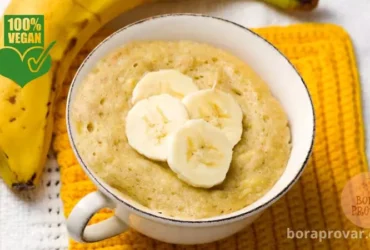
219,109
167,81
199,154
151,121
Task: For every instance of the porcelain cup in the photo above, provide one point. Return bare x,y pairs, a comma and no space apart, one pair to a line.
286,85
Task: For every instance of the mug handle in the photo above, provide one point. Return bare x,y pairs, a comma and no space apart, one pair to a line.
81,215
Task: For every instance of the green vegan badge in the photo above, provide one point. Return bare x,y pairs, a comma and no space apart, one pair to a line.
24,57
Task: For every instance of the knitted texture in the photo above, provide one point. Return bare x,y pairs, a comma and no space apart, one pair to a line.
323,55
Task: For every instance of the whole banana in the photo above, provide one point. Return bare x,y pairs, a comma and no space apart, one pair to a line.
26,118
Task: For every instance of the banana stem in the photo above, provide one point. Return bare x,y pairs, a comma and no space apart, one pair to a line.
305,5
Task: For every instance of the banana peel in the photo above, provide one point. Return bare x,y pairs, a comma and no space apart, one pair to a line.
26,119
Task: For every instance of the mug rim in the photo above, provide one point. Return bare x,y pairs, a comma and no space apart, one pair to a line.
173,220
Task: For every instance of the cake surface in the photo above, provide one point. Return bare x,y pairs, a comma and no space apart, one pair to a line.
104,98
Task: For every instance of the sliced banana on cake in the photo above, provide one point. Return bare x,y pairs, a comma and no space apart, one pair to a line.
166,81
219,109
199,154
151,121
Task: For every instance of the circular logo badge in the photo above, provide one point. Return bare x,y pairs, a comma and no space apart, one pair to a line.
355,200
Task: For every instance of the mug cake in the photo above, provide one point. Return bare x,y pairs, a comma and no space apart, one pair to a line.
184,128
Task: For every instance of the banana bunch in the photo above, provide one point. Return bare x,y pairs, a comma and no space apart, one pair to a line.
26,119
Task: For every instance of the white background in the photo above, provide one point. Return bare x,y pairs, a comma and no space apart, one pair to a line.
32,221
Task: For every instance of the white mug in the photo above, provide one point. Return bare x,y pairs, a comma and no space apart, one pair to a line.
286,85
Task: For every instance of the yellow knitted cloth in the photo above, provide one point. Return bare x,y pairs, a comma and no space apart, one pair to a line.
323,54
